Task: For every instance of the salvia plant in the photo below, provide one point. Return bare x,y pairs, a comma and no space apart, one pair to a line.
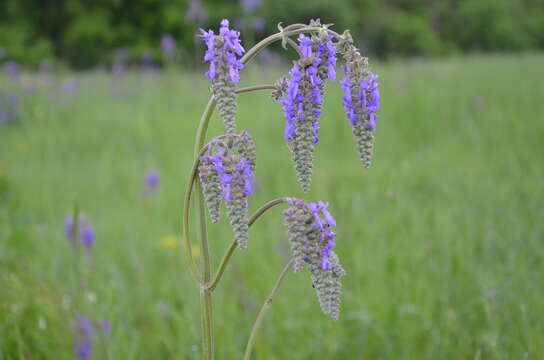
224,167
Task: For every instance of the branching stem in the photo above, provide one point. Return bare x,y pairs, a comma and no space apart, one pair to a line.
255,88
230,250
264,309
204,276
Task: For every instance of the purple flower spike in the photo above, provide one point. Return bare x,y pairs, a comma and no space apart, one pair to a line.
361,98
303,100
223,52
309,229
226,172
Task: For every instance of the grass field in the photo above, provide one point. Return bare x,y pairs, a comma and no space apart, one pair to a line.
442,238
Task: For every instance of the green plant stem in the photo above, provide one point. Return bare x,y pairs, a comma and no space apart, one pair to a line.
255,88
295,46
264,309
273,38
205,296
186,207
230,250
206,301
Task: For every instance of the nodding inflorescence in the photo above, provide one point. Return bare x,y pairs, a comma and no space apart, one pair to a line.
223,52
227,164
303,98
309,230
226,171
361,97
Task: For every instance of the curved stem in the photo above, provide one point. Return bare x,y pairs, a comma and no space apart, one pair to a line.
295,46
275,37
264,309
186,207
255,88
230,250
205,296
264,208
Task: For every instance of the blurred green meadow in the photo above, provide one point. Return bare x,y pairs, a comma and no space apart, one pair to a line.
442,238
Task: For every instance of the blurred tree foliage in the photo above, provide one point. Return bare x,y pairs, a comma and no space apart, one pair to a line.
85,33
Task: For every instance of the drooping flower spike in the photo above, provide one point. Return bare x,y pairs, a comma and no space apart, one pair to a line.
303,98
309,229
361,98
223,52
226,171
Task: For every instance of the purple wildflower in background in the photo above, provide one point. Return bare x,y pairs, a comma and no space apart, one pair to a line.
168,44
249,6
152,181
8,109
88,235
84,234
85,335
117,70
12,100
259,24
147,62
105,327
5,117
195,12
45,67
12,68
69,85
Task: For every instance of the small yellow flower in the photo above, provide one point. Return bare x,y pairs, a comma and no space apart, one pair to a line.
195,250
169,241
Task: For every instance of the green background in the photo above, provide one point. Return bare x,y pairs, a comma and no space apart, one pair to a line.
441,238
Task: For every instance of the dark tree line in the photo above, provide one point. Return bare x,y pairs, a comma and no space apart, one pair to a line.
84,33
